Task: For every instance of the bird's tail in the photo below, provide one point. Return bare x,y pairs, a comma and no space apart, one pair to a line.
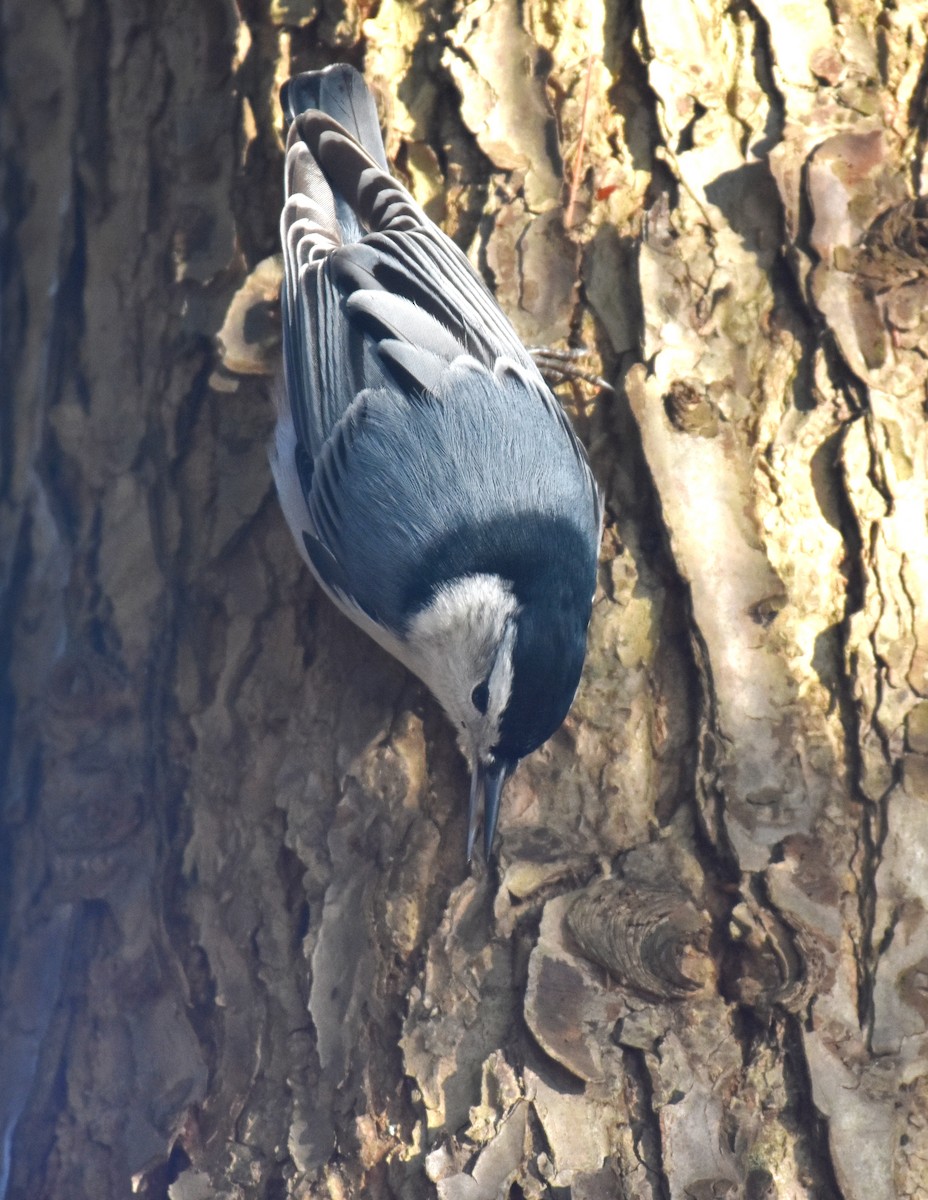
342,94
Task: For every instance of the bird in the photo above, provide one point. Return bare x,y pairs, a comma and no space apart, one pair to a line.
430,478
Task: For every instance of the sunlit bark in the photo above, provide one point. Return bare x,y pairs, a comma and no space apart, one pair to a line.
243,955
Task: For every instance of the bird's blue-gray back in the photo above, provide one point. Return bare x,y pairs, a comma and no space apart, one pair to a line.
445,463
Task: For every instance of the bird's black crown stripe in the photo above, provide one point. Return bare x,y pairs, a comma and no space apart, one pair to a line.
551,568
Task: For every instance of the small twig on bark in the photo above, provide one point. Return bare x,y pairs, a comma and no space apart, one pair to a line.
581,141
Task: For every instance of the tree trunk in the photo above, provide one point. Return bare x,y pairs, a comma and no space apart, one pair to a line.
243,955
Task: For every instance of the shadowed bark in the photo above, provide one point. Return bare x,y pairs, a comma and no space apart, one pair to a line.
242,955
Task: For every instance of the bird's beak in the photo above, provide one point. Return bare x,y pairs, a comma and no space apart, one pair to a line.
489,779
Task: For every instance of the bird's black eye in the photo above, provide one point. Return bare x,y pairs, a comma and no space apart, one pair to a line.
480,696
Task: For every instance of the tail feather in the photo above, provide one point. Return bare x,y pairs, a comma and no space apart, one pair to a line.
342,93
335,100
369,192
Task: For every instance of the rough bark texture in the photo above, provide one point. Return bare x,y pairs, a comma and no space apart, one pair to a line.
242,955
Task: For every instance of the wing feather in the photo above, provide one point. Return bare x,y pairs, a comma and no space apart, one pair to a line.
386,315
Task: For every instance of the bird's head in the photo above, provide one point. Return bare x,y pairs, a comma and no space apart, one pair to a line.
505,670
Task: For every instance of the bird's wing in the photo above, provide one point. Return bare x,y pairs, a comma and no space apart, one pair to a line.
389,251
398,363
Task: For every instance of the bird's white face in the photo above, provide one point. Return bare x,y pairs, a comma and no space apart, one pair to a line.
461,646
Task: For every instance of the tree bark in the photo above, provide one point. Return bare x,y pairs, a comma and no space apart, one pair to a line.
242,953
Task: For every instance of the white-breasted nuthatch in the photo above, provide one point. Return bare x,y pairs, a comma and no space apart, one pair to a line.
429,477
